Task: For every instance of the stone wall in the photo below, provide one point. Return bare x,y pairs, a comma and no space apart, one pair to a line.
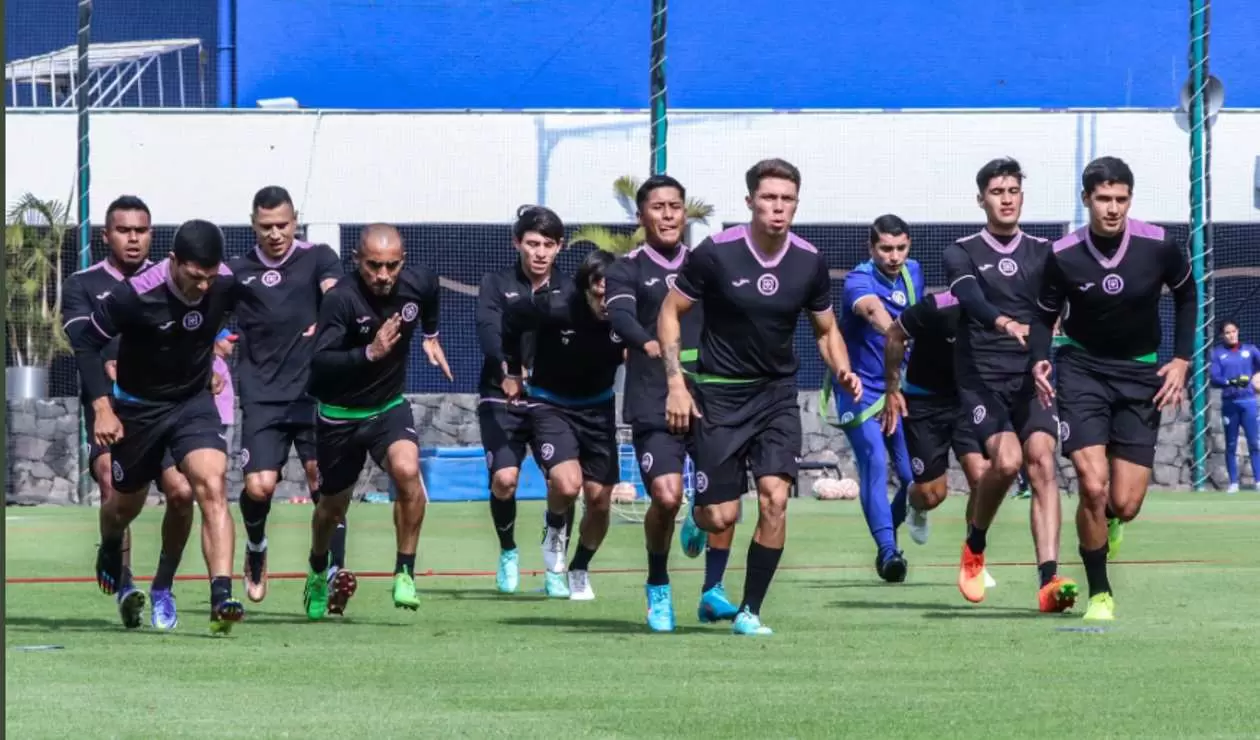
43,448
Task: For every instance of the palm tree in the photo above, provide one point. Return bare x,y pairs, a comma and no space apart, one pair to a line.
33,254
624,190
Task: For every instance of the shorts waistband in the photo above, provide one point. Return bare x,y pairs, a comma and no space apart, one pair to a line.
342,413
549,397
1149,358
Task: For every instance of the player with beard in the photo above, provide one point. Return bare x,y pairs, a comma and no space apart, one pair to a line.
574,413
506,431
166,320
128,237
996,274
753,281
637,285
358,374
1105,280
280,283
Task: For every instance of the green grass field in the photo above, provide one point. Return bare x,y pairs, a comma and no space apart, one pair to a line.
851,657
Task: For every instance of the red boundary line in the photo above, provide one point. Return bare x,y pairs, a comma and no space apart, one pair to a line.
294,576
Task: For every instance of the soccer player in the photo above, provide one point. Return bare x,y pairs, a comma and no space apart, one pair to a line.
505,425
875,294
754,281
1106,280
927,398
637,285
166,319
995,274
574,415
280,282
366,324
128,237
1233,366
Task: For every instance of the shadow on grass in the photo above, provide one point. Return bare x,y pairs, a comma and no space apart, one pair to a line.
942,610
484,594
605,626
19,624
864,584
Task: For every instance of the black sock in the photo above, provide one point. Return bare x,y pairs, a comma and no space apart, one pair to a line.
254,516
556,521
977,538
1047,571
319,562
165,576
405,563
582,559
762,562
220,589
337,545
112,543
1110,512
658,568
569,516
1096,570
503,512
715,559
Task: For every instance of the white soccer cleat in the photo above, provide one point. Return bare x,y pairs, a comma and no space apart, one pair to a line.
1233,488
988,579
918,523
554,548
580,586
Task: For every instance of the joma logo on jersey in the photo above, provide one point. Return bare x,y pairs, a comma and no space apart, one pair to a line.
652,281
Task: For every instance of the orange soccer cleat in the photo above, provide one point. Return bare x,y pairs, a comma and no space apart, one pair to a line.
1058,595
971,575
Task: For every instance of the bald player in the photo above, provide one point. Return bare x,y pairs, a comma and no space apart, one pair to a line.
363,339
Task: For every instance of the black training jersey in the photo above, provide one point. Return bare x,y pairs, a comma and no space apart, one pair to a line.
1009,276
84,291
165,342
576,354
752,302
1107,292
498,293
349,317
636,286
276,311
933,324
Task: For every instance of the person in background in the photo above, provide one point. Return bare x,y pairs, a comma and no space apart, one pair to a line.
224,393
1233,366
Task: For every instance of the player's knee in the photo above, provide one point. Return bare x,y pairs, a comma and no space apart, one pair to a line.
503,483
566,480
260,487
1093,489
598,499
666,492
1127,511
717,517
178,491
932,493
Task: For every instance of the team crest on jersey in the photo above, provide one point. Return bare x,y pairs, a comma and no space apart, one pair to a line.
118,472
489,460
410,312
898,298
1246,354
917,465
244,457
1065,431
645,462
271,278
1008,266
548,450
702,482
847,417
192,320
670,279
767,284
1113,284
978,414
616,339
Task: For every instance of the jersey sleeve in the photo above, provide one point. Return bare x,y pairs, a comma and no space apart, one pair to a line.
1216,371
327,264
1050,298
857,285
90,338
1177,276
1255,359
430,303
620,287
965,285
699,270
335,317
489,318
819,300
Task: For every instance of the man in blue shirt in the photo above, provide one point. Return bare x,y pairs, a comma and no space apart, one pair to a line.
875,294
1233,366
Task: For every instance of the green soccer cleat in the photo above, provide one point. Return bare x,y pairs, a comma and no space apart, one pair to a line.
405,592
1115,537
316,596
1102,608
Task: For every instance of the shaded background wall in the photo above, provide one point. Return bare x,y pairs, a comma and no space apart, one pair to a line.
424,54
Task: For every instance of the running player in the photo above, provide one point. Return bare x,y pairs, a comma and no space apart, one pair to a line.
366,324
280,282
875,294
754,282
995,275
927,398
637,285
505,425
574,415
1106,280
166,319
128,236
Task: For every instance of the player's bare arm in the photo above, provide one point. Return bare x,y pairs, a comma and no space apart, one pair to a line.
680,407
872,310
1177,277
833,350
894,355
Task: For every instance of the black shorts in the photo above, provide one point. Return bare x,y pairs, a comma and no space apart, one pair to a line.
661,452
1107,402
933,426
506,433
744,428
268,430
95,450
587,434
1009,404
342,446
158,435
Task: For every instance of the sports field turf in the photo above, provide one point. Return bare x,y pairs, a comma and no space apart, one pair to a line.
851,657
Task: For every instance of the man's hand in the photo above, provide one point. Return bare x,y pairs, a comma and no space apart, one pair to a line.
652,349
849,381
437,358
1174,389
111,370
1013,328
894,409
216,384
511,387
680,407
108,429
1041,379
385,339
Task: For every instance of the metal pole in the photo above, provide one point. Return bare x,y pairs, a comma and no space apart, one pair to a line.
81,95
660,125
1199,257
